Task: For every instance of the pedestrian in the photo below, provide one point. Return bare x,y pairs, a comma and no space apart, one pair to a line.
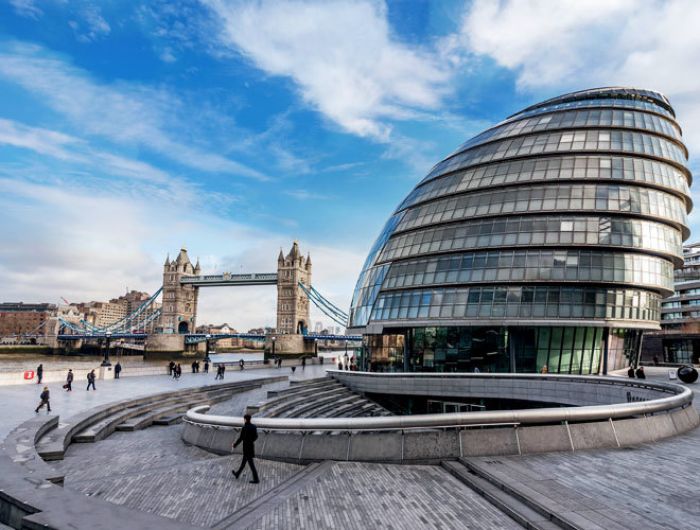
117,370
242,364
545,369
303,363
69,381
340,364
219,375
44,400
655,360
630,372
91,380
206,366
476,370
223,370
279,362
294,369
249,433
171,367
178,371
640,373
39,373
194,366
346,359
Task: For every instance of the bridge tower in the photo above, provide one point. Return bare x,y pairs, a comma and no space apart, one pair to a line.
292,303
179,309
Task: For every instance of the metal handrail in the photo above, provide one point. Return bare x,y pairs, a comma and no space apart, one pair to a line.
681,398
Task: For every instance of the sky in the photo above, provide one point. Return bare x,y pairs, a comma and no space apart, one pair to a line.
131,129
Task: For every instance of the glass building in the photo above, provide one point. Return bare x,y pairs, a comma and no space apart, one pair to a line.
678,342
546,242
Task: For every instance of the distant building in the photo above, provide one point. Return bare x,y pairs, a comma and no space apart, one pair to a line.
318,327
679,339
102,314
18,318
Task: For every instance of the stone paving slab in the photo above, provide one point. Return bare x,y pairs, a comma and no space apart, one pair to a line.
649,486
355,495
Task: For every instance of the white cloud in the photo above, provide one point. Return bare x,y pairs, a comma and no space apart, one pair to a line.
93,25
124,113
341,55
574,45
44,141
26,8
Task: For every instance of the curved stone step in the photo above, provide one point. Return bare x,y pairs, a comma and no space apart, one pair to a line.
52,445
287,405
309,406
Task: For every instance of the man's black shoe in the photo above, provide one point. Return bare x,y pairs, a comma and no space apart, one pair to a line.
235,474
255,482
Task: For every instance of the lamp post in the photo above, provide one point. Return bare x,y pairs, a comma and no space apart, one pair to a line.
105,361
273,346
206,353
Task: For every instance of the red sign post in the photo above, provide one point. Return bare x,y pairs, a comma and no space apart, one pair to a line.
29,374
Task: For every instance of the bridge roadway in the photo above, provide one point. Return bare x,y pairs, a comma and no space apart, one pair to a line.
652,486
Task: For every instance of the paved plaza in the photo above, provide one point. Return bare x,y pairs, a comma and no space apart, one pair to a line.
654,486
21,400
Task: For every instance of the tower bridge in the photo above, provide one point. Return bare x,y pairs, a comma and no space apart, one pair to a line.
173,323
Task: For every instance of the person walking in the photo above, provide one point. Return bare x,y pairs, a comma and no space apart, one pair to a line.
242,364
91,380
194,367
206,367
69,381
347,361
303,363
218,372
640,373
249,433
630,372
44,400
171,367
223,370
39,373
117,370
178,371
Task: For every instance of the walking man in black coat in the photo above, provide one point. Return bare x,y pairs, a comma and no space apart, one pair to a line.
39,373
45,401
249,433
91,380
69,381
117,370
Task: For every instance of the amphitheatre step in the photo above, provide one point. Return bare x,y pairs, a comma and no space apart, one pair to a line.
288,405
52,445
306,382
168,420
330,407
281,402
176,410
147,419
306,408
301,388
517,510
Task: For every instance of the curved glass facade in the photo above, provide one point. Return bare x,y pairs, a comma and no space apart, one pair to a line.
544,243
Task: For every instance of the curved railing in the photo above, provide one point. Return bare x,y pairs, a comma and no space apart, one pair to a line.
679,397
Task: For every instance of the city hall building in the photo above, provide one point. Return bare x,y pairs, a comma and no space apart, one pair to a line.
548,240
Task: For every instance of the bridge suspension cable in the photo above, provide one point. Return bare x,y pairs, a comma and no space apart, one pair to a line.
327,307
143,315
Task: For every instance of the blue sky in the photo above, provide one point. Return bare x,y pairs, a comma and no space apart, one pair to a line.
128,129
